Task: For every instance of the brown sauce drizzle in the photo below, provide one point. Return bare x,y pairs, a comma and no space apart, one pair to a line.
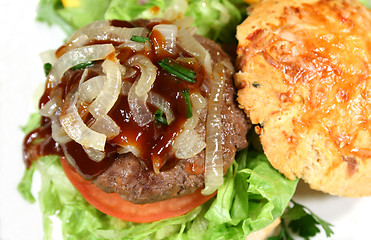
154,141
39,142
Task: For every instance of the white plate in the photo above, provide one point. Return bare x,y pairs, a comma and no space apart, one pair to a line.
21,74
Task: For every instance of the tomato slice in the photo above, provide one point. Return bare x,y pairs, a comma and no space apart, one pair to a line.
112,204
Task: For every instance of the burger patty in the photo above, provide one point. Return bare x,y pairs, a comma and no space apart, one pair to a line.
130,178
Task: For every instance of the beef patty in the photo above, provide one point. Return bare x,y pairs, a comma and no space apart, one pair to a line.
131,179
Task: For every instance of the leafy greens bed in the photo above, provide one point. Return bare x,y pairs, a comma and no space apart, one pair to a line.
253,195
215,19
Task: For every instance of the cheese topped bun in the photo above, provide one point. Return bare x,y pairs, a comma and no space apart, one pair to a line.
305,79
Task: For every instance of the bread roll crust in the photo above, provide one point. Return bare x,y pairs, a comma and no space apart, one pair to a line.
305,78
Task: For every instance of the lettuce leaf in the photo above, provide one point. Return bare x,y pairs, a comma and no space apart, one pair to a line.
69,19
253,195
367,3
215,19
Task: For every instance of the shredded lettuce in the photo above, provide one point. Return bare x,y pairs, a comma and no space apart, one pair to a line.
253,195
71,18
367,3
215,19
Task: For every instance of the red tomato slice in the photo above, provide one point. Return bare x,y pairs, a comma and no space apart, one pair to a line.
112,204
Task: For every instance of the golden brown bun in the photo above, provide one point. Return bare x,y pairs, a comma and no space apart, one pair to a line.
305,77
265,232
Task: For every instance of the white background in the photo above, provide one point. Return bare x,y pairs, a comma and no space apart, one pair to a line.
21,75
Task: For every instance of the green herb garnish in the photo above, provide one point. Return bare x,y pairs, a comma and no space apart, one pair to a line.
185,93
82,65
139,39
47,68
178,70
302,221
160,118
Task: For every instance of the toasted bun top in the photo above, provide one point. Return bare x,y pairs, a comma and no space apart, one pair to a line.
305,77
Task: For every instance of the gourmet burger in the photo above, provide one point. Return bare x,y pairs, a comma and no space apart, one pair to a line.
143,117
132,106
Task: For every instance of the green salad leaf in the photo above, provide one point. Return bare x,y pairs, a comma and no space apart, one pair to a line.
367,3
215,19
253,195
69,19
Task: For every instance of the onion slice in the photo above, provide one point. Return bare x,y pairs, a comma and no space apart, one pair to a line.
189,44
49,108
188,143
154,99
198,104
138,107
94,154
90,89
110,92
125,88
129,148
136,46
75,57
58,133
102,31
48,56
76,129
147,75
169,33
160,102
105,124
138,93
214,154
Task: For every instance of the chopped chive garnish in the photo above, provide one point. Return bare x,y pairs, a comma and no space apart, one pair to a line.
185,93
139,39
255,84
82,65
178,70
47,68
159,117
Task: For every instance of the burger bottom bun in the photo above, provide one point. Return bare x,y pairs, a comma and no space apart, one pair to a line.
265,232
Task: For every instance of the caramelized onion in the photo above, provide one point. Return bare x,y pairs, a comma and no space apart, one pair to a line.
78,56
189,44
138,107
148,73
104,124
76,129
198,104
129,148
214,154
160,102
136,46
169,33
49,108
90,89
95,154
138,93
102,31
125,88
188,144
154,99
58,133
48,57
110,92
